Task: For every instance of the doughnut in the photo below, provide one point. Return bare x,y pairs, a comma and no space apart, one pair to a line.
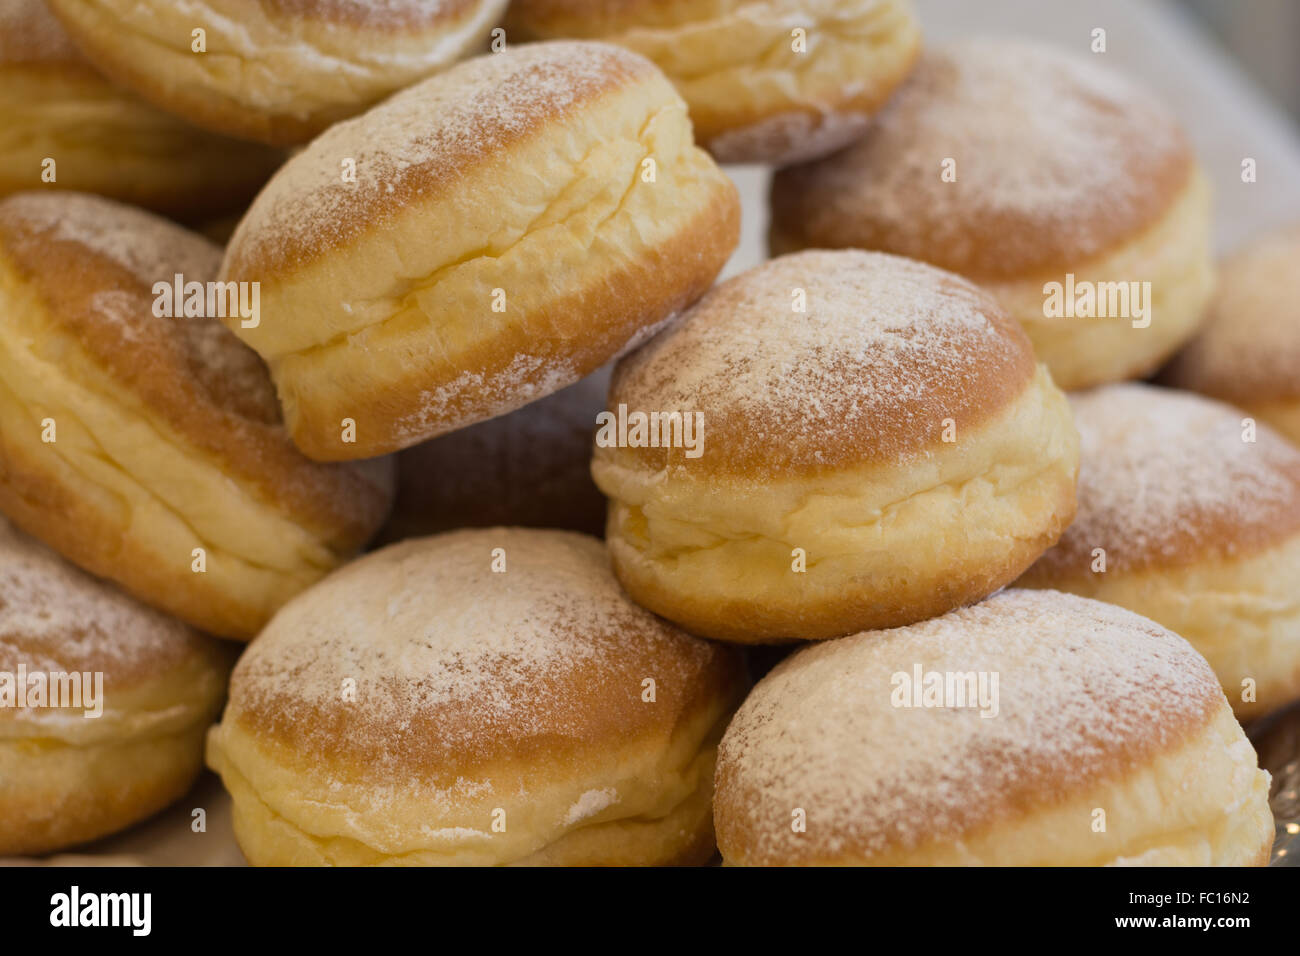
873,444
1049,181
1034,729
530,468
103,702
417,709
150,450
515,222
277,71
1248,351
1189,514
63,126
758,91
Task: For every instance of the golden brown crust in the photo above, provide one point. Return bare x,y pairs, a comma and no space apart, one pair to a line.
144,688
756,94
478,697
284,689
1089,696
186,406
308,211
887,352
55,105
30,34
1168,481
1248,351
276,72
54,616
439,321
193,375
1056,162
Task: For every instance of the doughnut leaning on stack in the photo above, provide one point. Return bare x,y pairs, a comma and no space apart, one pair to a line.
152,685
767,81
54,108
279,71
479,697
1107,742
1055,185
1248,352
148,449
1191,517
514,223
877,446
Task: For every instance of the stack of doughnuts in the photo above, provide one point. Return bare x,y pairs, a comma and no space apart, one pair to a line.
373,434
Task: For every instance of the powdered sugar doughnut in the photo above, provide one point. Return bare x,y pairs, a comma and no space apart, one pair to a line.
64,126
767,81
513,224
103,702
1048,180
1190,515
1248,352
878,446
278,71
1034,729
479,697
149,449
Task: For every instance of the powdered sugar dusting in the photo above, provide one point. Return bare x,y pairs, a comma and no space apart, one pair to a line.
1160,470
417,141
151,248
590,804
1056,159
449,657
1085,689
53,616
1249,347
476,396
881,341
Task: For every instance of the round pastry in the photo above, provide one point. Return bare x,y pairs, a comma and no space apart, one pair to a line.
63,126
1190,515
513,224
859,441
530,468
767,81
1049,181
103,702
479,697
1248,352
279,71
149,449
1035,729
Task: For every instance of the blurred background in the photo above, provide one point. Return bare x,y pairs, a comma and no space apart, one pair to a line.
1263,36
